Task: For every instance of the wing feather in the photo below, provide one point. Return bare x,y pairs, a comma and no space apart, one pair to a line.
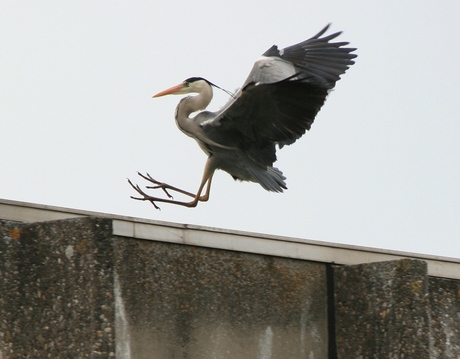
317,57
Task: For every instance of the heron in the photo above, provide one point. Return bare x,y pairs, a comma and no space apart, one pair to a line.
273,108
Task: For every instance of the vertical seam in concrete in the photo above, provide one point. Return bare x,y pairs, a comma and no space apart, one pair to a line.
331,327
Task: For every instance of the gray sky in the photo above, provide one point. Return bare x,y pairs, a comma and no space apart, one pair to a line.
379,168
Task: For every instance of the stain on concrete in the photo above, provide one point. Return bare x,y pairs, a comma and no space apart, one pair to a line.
191,302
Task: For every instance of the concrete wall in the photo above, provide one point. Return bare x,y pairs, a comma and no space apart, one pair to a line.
56,290
395,310
191,302
72,289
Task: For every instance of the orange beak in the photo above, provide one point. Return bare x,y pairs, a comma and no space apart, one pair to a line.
170,91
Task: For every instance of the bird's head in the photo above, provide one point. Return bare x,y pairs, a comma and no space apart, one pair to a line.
191,85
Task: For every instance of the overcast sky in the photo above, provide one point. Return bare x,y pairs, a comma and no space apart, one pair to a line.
379,168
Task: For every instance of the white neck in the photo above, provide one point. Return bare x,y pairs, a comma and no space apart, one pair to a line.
192,104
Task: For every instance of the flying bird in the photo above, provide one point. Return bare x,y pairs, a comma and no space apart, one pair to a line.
273,108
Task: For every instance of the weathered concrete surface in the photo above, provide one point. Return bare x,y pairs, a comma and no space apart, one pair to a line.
56,290
382,310
445,318
191,302
71,289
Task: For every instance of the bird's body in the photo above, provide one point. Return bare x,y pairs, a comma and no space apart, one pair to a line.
226,147
277,103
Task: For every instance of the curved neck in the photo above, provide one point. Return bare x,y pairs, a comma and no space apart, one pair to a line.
191,104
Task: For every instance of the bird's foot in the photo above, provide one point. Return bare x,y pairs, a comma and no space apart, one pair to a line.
158,185
164,187
145,196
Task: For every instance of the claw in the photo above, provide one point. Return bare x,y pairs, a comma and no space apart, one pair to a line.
154,205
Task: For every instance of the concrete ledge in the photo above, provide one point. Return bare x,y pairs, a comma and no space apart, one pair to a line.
231,240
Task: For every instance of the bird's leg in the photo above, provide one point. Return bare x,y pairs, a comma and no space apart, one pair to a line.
207,179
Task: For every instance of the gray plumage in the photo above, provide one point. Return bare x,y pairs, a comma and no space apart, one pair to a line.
277,103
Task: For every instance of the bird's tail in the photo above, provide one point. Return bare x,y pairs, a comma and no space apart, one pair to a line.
271,178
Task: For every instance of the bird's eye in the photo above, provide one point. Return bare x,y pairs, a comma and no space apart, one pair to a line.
186,83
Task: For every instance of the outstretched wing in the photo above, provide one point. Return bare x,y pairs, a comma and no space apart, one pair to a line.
316,58
282,95
274,112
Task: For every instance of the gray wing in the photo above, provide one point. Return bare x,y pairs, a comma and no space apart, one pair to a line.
281,97
316,58
265,115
